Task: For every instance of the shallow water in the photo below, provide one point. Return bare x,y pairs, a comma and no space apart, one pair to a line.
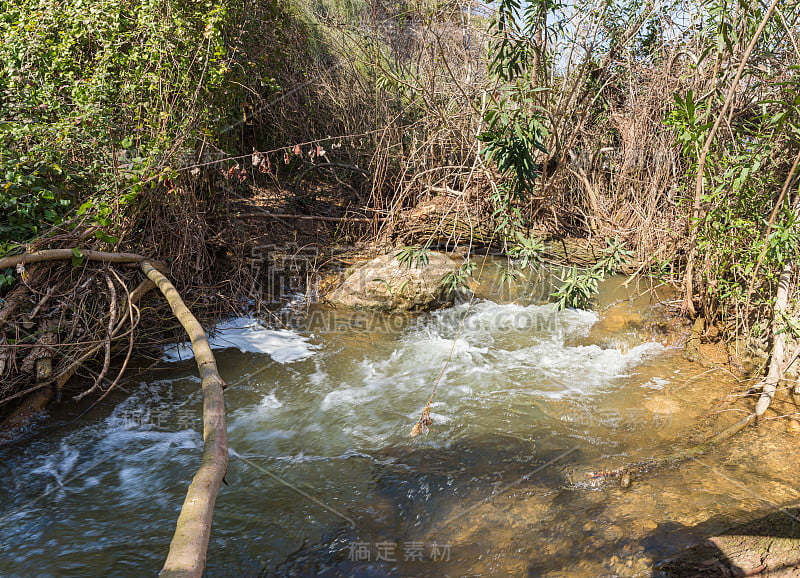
325,480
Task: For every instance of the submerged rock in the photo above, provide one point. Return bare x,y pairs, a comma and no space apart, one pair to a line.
386,284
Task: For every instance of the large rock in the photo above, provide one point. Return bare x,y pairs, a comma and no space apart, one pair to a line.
385,284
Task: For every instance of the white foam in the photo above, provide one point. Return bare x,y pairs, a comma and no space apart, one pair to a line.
248,335
270,402
657,383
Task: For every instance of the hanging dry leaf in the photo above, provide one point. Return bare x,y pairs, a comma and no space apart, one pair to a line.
424,423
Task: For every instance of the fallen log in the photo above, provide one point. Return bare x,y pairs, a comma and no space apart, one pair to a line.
63,254
187,551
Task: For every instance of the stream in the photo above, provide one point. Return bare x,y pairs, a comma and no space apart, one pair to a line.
324,478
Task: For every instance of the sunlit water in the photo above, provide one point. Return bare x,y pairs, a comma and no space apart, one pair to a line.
325,480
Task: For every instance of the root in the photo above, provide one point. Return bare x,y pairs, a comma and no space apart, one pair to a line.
112,317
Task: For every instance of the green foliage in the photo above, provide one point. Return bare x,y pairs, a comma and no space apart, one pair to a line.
690,124
790,325
99,97
77,257
416,256
509,275
529,249
746,164
614,256
579,287
617,16
7,278
660,268
400,290
516,125
783,243
511,140
740,178
457,281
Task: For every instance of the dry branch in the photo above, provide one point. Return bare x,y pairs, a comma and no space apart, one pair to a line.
309,217
12,302
775,372
187,551
112,317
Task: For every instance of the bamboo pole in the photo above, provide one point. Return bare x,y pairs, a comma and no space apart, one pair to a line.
62,254
187,551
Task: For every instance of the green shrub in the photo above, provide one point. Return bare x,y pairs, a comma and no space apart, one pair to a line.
98,97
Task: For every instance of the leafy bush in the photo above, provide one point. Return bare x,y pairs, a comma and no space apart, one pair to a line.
529,250
614,257
578,288
101,96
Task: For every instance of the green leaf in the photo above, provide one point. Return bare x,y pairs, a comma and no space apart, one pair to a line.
77,257
105,237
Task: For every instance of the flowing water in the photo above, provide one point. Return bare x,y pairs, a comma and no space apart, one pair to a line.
324,478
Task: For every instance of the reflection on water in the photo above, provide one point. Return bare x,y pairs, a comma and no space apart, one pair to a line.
332,484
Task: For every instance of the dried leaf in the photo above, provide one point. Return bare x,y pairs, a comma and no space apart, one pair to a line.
424,423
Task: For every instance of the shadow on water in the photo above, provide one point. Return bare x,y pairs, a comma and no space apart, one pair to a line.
770,543
509,511
419,496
